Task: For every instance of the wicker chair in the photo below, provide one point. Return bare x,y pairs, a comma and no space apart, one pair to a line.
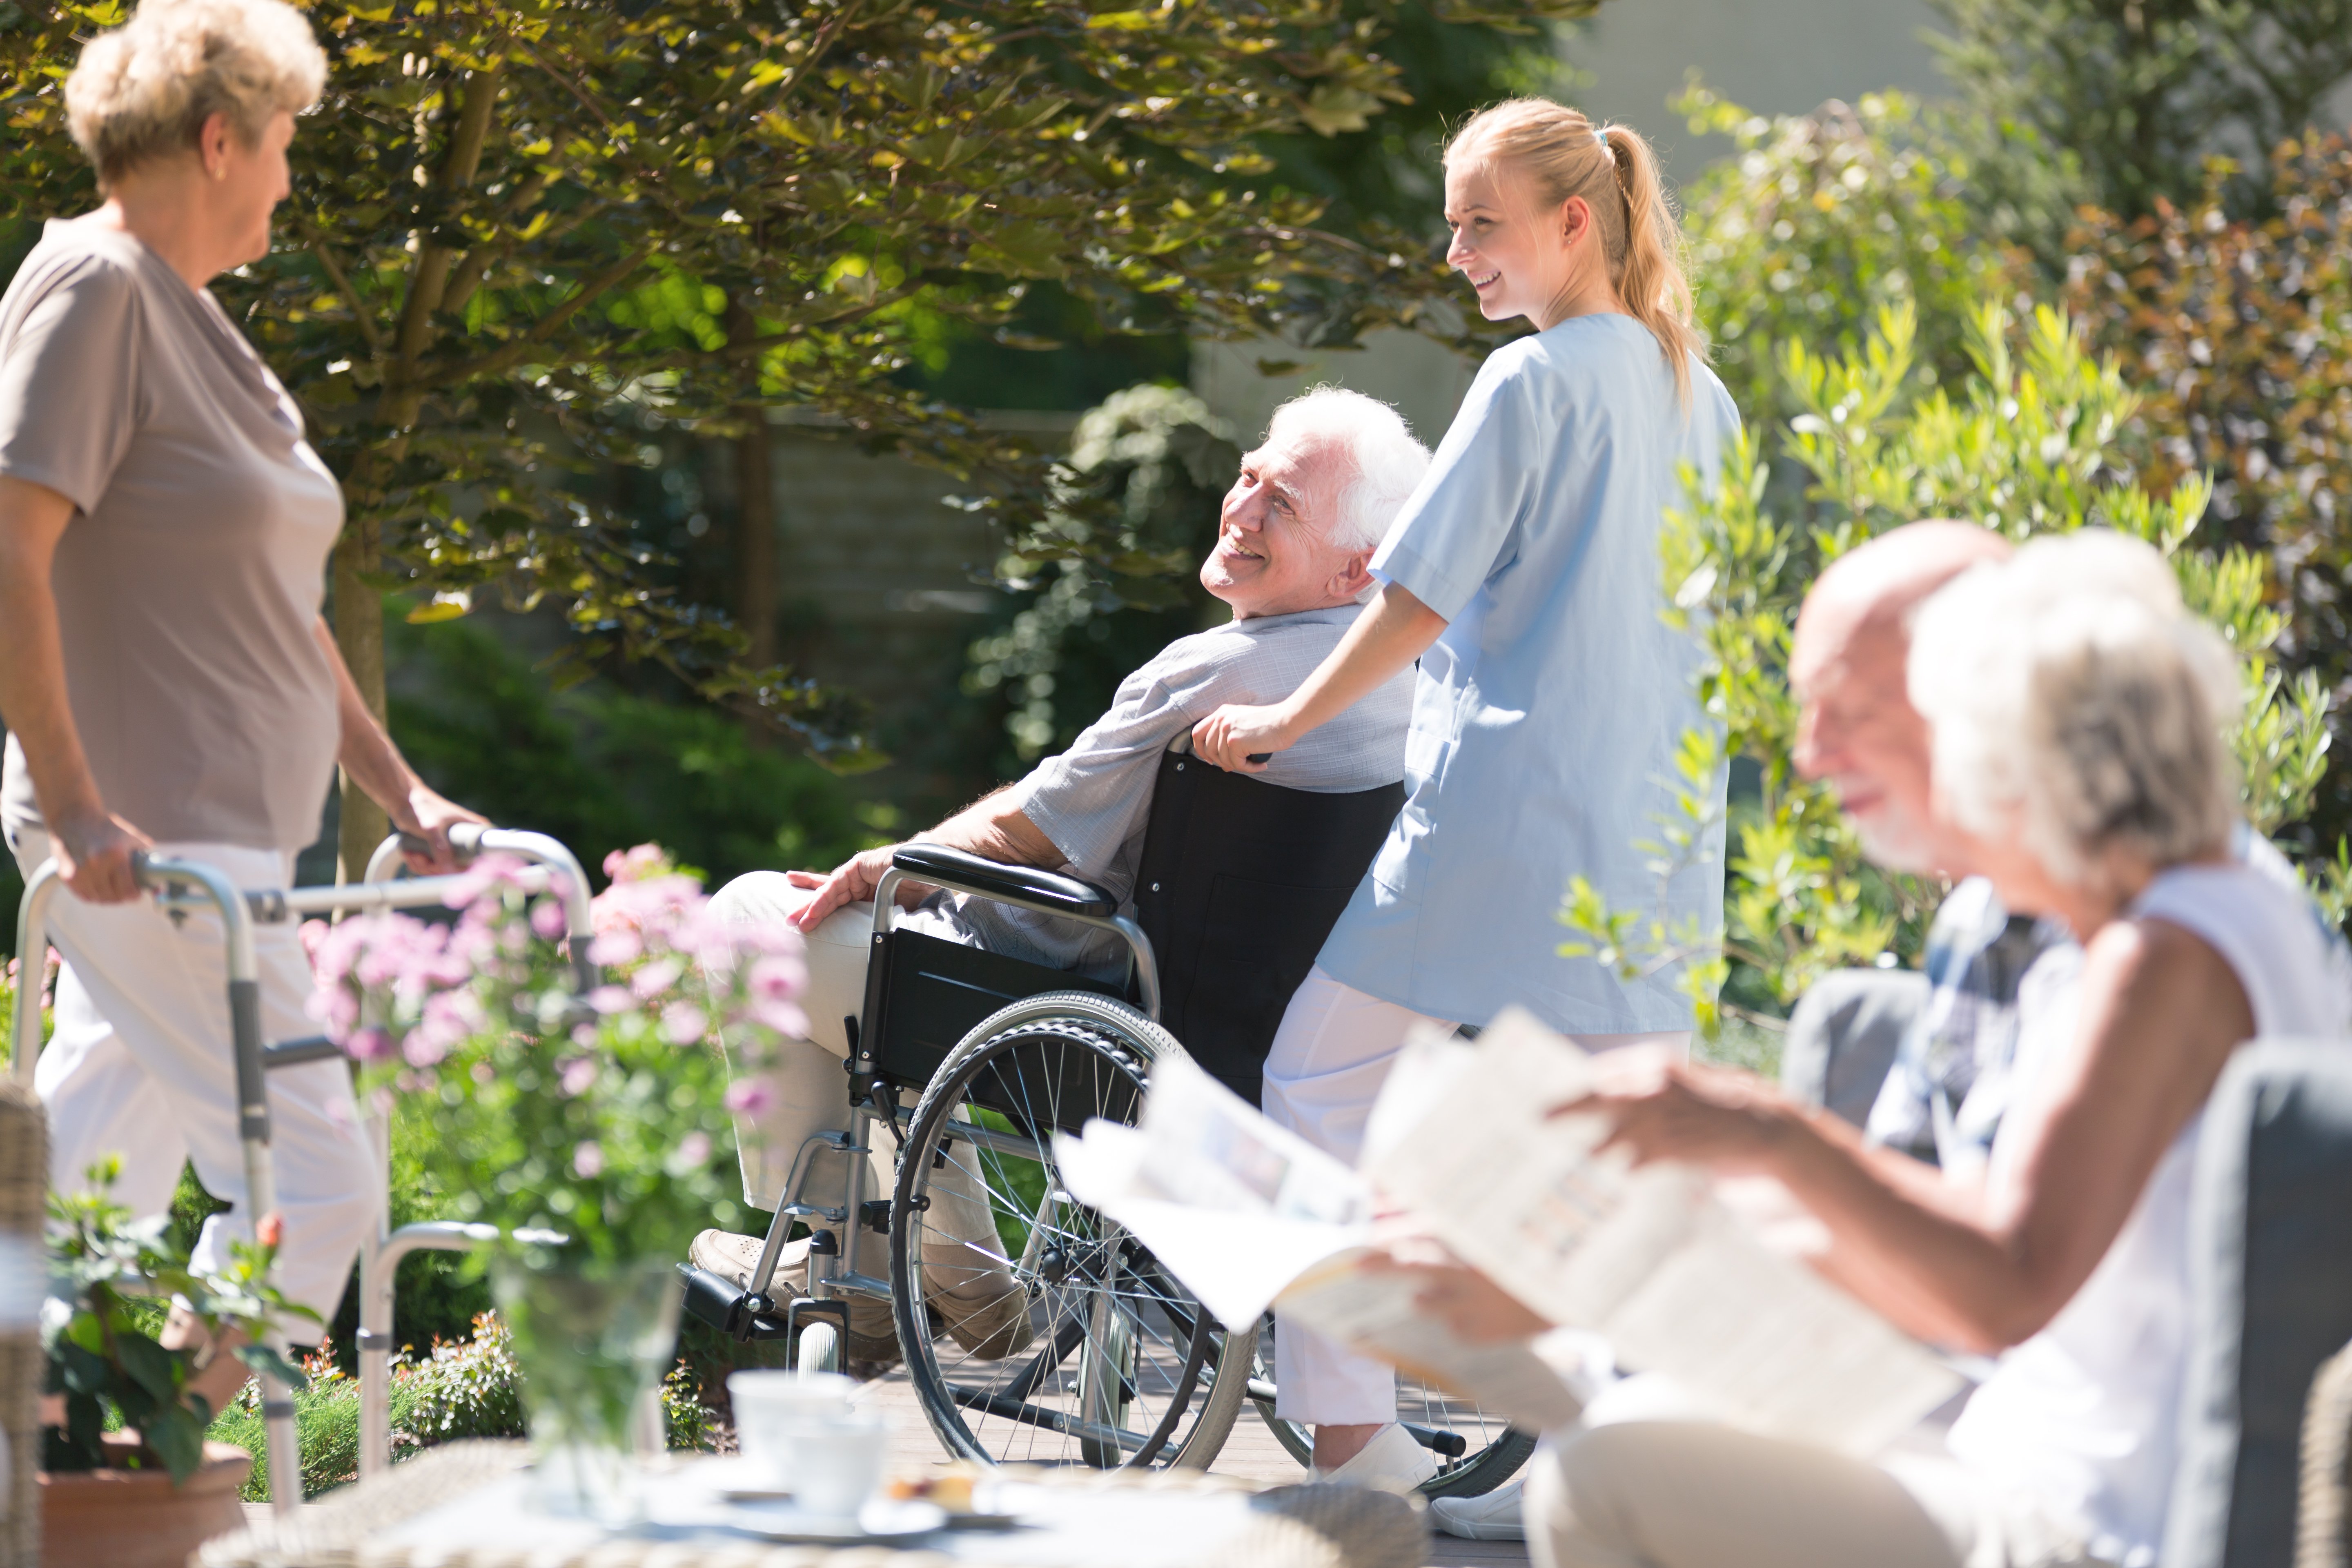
2323,1518
24,1193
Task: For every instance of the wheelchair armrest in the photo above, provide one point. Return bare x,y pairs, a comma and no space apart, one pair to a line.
953,868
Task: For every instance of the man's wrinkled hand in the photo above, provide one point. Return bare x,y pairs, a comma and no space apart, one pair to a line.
1239,739
93,852
429,816
851,882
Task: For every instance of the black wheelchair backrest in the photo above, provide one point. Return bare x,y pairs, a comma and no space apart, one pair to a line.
1240,883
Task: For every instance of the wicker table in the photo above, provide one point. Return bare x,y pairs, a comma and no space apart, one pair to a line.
1206,1520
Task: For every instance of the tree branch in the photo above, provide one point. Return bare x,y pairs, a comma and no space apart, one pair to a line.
514,352
359,316
430,280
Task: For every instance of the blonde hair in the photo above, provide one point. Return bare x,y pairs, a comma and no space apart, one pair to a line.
2075,702
1613,169
145,89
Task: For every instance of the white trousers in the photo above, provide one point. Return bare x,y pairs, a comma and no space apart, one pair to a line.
810,1078
1672,1494
142,1065
1323,1072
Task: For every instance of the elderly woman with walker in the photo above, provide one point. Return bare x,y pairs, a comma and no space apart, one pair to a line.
167,680
1524,576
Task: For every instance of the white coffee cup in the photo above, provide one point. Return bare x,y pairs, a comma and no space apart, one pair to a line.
811,1441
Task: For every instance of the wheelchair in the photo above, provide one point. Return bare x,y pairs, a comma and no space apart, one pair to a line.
1116,1365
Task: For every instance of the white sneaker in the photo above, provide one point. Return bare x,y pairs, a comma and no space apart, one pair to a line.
1491,1516
1391,1462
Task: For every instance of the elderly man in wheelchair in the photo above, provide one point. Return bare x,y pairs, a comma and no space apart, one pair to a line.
1015,971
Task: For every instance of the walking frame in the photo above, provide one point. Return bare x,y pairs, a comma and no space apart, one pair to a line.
180,886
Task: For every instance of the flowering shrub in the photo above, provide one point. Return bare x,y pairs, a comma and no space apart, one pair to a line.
601,1120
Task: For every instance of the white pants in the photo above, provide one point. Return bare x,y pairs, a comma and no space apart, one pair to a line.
811,1081
1672,1494
142,1065
810,1078
1325,1068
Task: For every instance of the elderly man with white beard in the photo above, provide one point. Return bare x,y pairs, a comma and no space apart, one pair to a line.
1296,534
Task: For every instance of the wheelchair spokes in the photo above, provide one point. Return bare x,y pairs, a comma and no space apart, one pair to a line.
1047,1332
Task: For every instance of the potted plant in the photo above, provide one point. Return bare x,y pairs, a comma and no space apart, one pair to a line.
594,1131
152,1490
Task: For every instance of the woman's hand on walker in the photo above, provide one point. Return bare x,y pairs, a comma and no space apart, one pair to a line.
429,816
1238,739
93,850
1661,1108
1457,1295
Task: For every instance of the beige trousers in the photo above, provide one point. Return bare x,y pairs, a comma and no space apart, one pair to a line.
1670,1494
810,1086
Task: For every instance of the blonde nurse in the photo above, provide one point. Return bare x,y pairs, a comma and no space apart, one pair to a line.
1524,576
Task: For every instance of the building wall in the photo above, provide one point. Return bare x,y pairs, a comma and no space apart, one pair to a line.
883,587
1776,57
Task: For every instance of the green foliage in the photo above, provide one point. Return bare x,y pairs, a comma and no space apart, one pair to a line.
593,1132
1819,222
2030,445
1109,577
2239,335
2141,91
522,231
602,769
112,1273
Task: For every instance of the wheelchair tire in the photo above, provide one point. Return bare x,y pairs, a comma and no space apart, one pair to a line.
819,1350
1493,1453
1111,1364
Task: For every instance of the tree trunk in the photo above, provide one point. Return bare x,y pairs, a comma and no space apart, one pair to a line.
359,633
755,515
755,541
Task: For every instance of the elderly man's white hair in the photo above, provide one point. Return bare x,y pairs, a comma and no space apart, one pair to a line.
1385,462
2075,702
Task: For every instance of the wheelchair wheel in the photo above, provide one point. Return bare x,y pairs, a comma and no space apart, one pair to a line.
1036,1329
1475,1452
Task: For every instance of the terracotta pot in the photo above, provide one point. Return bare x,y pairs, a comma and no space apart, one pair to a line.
138,1519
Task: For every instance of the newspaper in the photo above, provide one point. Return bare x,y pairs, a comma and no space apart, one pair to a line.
1248,1215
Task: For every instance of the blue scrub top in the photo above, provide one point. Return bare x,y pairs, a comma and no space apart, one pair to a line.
1546,720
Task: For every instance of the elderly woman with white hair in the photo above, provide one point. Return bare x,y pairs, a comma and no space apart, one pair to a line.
166,678
2078,715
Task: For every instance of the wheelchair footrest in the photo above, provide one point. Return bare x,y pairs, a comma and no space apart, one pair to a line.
729,1308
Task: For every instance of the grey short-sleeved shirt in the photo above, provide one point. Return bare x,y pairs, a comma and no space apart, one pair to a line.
1095,799
189,581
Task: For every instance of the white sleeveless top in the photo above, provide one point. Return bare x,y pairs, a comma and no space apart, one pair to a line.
2083,1417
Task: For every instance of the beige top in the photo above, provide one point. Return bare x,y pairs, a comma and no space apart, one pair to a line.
191,574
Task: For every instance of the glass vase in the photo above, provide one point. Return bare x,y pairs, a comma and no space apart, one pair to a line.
591,1345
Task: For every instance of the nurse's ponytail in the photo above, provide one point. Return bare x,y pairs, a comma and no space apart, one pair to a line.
1613,169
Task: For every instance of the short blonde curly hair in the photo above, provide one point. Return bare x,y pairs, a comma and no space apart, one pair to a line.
145,89
2075,701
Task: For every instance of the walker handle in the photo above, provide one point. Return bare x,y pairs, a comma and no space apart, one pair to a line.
465,841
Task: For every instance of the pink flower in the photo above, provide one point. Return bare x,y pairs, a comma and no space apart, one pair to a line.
656,978
310,932
610,999
693,1150
684,1023
785,1018
587,1160
617,946
578,1074
751,1096
368,1046
547,919
777,979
